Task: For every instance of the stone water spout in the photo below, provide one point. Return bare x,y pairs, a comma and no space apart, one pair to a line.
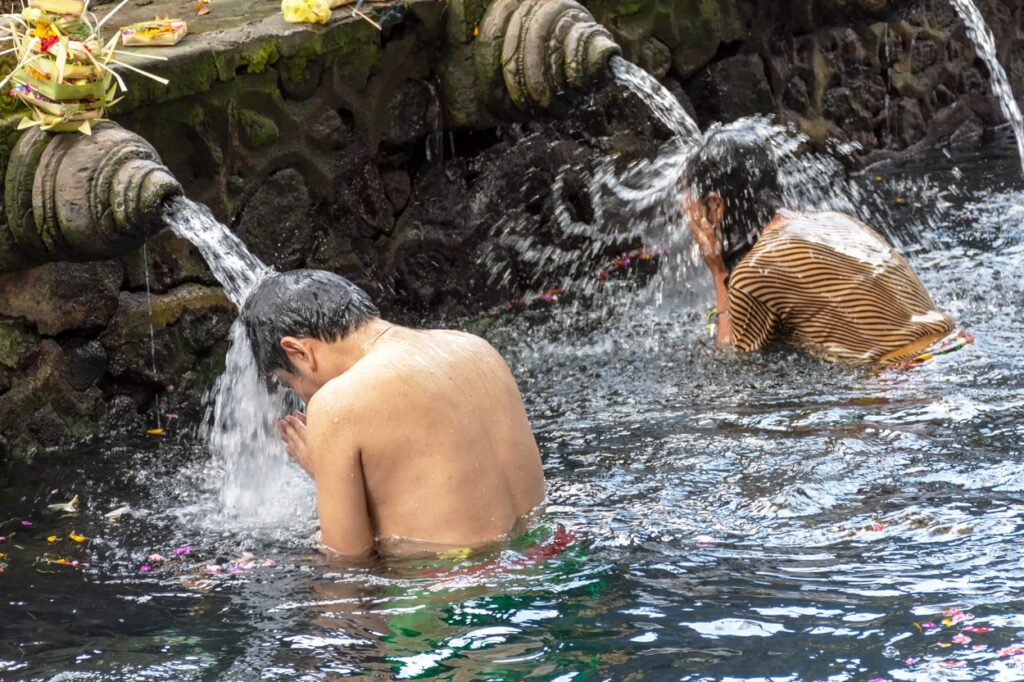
520,55
77,197
547,46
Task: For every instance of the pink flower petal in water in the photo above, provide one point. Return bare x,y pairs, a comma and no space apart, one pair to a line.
145,568
155,558
929,626
3,538
234,569
268,562
183,550
26,522
961,639
247,556
212,569
911,661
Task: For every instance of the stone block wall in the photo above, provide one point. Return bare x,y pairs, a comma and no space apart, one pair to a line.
886,85
333,153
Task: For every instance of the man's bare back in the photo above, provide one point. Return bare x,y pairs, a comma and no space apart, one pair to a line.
431,427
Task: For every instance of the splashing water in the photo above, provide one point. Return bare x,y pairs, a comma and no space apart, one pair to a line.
630,200
661,102
249,472
985,44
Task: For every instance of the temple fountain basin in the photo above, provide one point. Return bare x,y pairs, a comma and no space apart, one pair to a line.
763,518
363,152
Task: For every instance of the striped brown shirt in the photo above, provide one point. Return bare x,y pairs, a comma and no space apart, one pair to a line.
830,284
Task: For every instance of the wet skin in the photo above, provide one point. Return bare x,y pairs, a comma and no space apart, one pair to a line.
415,439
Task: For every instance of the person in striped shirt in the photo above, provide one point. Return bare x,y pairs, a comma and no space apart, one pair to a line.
821,281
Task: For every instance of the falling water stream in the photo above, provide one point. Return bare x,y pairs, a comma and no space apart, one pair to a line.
662,103
250,471
985,43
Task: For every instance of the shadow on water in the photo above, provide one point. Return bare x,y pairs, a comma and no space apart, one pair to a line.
732,517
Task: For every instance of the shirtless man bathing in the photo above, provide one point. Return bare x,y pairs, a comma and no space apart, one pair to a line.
417,440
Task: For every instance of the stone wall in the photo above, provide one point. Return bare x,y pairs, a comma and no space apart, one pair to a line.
886,86
333,153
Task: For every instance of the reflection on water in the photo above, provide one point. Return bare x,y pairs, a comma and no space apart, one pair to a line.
731,517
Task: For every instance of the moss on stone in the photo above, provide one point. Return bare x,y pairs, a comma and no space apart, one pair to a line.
256,130
265,54
692,29
299,72
132,320
17,344
354,59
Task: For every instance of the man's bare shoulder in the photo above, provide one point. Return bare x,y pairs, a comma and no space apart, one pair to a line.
338,398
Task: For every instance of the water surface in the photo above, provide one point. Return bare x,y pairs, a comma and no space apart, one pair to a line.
737,518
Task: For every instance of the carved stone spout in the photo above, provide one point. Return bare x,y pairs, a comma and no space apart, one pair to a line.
519,56
76,197
548,46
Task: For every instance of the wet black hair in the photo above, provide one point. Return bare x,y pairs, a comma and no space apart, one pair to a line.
301,303
736,164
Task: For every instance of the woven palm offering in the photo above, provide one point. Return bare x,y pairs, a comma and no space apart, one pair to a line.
159,32
64,73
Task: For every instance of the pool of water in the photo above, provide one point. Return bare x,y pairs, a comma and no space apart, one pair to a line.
732,518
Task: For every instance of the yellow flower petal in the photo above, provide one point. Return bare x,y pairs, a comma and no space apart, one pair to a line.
76,537
52,538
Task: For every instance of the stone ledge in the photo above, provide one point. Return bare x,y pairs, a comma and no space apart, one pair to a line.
237,36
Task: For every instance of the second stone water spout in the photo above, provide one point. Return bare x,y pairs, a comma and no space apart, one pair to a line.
518,56
547,46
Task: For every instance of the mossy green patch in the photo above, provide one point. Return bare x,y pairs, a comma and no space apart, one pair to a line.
355,58
17,344
256,130
265,54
